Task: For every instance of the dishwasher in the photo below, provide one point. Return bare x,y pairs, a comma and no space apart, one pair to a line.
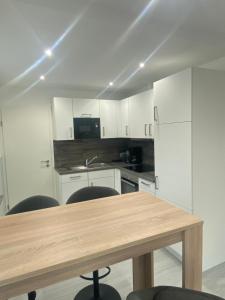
128,186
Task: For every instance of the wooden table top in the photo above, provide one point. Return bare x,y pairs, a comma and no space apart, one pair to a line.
38,242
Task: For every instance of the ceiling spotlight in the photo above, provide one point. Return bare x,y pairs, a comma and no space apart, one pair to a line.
42,77
111,83
48,52
141,65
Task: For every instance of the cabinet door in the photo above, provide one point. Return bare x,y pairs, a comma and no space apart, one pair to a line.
172,98
146,186
141,115
173,163
108,116
124,125
69,188
106,182
63,119
86,108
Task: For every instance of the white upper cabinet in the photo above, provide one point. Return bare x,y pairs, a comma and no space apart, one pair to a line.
124,119
172,98
86,108
63,119
108,118
141,115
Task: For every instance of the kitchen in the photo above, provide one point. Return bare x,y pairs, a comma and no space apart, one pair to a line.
140,110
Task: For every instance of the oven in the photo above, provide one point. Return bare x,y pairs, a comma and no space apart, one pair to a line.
128,186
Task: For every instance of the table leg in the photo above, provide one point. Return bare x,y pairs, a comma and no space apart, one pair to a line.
192,258
143,271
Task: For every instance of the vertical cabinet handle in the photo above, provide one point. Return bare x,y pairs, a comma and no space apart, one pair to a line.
103,130
155,114
156,182
150,129
146,129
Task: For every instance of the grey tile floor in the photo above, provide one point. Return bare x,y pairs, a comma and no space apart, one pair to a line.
167,272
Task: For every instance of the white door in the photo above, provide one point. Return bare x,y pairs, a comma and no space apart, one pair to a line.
173,163
172,98
141,115
108,116
86,108
124,126
28,147
63,119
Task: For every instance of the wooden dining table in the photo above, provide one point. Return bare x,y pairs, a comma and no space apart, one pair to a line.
43,247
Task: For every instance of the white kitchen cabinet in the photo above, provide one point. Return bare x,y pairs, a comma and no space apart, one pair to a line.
86,108
173,163
124,118
141,118
104,178
106,182
2,207
62,109
146,186
118,180
172,98
108,118
189,152
70,183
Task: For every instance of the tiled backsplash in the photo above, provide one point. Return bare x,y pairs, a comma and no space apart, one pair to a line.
69,153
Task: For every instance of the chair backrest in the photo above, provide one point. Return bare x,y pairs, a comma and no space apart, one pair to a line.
33,203
90,193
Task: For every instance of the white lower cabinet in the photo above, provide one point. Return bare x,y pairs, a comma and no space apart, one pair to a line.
2,208
146,186
70,183
104,178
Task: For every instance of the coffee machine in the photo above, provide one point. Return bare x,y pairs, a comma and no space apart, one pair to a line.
132,155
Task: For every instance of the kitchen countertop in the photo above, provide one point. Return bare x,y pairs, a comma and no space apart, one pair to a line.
128,174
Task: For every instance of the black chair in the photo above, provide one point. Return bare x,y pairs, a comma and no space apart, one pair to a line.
95,291
170,293
30,204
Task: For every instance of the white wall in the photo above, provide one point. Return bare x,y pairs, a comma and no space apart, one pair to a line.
208,139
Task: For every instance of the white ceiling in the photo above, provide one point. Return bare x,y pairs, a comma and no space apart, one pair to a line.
104,40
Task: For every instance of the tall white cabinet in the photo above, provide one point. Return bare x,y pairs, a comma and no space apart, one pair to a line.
189,151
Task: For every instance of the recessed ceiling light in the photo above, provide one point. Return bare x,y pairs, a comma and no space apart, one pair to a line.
141,65
48,52
111,83
42,77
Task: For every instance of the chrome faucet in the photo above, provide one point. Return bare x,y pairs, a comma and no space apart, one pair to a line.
89,161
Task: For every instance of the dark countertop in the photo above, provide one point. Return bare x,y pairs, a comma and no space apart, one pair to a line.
128,174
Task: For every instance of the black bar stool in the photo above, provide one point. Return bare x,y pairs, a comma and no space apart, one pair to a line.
170,293
30,204
96,291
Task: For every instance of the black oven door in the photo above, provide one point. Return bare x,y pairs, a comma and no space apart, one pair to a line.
128,186
86,128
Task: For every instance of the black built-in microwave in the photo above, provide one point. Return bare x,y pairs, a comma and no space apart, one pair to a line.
86,128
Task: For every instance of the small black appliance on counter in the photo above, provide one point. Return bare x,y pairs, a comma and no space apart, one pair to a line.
132,155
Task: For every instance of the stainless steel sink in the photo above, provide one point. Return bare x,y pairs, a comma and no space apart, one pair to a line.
96,165
91,166
78,168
